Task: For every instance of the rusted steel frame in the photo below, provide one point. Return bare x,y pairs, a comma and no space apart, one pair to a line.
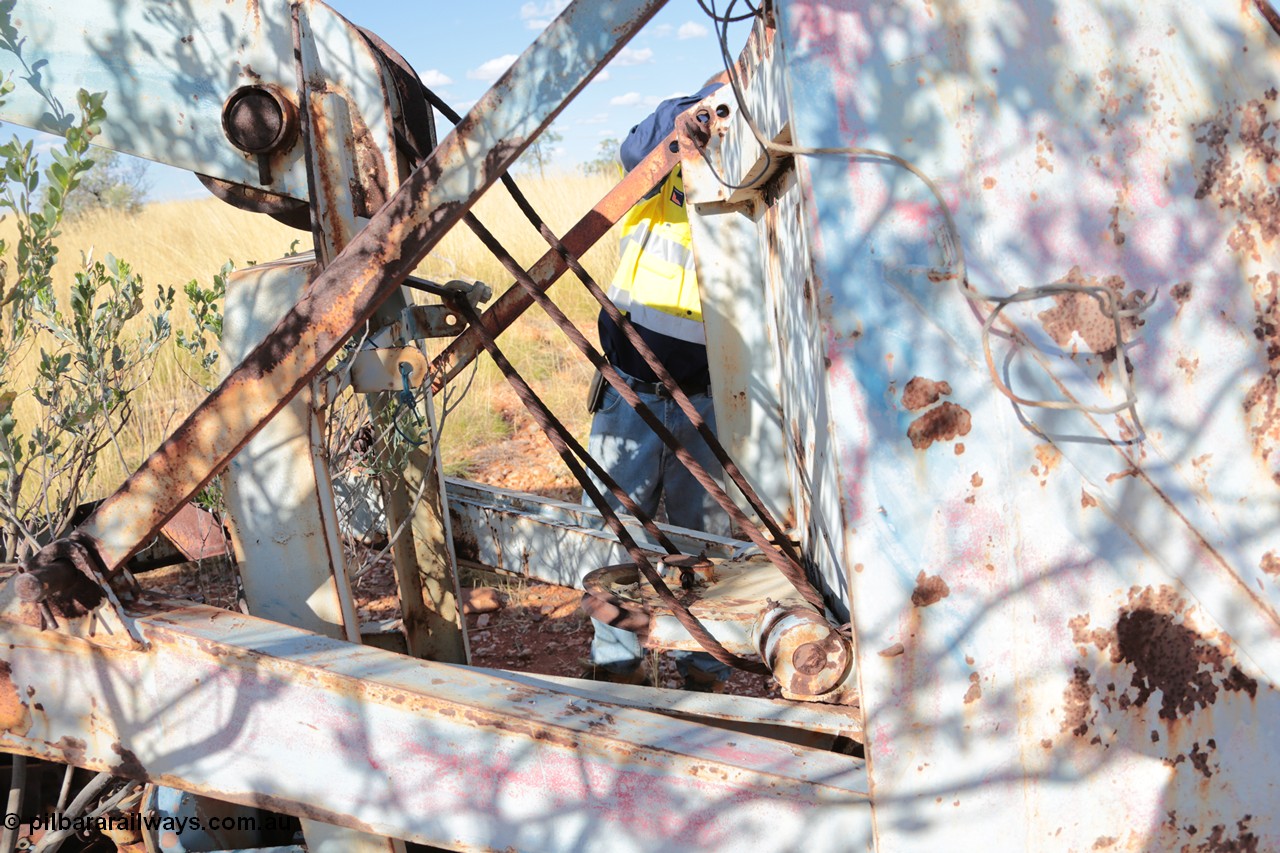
563,441
551,266
347,293
418,750
782,555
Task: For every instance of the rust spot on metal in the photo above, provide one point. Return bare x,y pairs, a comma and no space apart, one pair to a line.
1219,842
1200,758
1117,236
1262,402
975,480
1103,842
892,651
930,589
1083,314
129,764
15,716
1188,366
1270,563
1087,500
974,693
72,749
988,183
1078,701
1237,174
1187,669
921,392
943,423
1181,294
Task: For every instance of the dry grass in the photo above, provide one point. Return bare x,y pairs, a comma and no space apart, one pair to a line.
173,242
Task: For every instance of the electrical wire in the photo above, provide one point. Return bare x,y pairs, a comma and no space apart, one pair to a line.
992,304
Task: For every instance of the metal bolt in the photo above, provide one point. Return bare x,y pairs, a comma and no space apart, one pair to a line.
259,119
809,659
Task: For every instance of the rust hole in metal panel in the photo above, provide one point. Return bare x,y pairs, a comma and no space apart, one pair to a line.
930,589
944,423
921,392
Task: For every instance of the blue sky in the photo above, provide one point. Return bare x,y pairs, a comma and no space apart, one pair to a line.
459,49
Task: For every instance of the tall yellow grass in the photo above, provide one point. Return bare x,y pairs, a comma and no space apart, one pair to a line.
171,243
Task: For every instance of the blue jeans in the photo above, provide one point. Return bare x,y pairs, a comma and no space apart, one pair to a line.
648,471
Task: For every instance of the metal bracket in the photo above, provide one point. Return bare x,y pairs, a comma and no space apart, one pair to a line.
440,321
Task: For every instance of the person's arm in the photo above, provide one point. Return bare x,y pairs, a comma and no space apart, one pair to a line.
654,128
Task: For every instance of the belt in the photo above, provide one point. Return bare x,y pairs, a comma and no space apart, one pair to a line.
657,389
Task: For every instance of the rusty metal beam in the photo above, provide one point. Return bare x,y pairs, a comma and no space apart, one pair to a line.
253,712
547,270
487,142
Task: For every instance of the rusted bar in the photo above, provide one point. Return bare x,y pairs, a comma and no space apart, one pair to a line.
547,271
263,714
432,199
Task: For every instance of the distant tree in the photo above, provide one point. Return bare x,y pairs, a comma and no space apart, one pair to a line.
606,160
113,183
542,147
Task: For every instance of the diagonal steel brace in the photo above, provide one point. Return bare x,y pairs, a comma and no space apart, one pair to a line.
482,147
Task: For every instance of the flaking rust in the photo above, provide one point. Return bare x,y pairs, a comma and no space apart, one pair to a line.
1262,401
943,423
1240,170
1162,654
1090,317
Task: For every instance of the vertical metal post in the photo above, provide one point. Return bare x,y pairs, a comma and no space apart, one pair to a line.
422,553
285,524
423,557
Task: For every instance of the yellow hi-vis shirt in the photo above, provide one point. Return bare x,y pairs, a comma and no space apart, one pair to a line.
656,282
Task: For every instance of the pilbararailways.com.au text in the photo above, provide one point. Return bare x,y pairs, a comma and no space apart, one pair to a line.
138,822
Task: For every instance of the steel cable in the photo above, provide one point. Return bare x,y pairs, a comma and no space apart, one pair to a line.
569,449
779,550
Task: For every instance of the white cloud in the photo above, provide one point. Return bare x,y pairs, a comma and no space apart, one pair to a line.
598,118
635,99
537,16
435,79
661,31
634,56
691,30
603,75
609,134
489,71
